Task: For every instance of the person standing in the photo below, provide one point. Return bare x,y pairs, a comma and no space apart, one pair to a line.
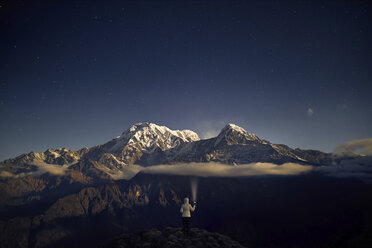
185,210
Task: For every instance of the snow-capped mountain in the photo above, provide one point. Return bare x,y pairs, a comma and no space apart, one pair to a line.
141,138
31,162
233,134
126,149
234,145
150,144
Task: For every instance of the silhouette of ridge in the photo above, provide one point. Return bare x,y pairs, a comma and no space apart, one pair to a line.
172,237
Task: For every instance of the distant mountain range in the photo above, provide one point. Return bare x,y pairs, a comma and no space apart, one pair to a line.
149,144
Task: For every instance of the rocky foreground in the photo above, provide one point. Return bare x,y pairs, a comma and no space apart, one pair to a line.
172,237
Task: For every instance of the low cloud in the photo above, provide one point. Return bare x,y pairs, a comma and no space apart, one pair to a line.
360,167
222,170
361,146
182,169
6,174
210,128
51,169
126,173
215,170
310,112
209,134
43,168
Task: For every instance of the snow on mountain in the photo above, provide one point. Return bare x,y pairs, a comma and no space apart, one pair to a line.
234,134
234,145
140,139
149,144
149,135
54,161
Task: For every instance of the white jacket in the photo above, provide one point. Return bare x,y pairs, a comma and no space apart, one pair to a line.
186,208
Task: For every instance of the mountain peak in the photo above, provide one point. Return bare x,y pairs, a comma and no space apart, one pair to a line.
186,135
146,138
231,126
233,134
141,125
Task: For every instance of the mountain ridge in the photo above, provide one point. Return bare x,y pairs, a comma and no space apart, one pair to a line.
173,237
149,144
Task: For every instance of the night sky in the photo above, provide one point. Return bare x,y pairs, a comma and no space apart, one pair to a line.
78,73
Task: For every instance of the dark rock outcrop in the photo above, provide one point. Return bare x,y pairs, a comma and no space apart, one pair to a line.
172,237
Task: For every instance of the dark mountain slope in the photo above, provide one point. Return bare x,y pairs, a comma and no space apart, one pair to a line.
173,238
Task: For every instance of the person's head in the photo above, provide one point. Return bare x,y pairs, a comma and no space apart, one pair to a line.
186,200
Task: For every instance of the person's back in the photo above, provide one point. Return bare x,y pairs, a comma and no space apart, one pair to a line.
186,210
